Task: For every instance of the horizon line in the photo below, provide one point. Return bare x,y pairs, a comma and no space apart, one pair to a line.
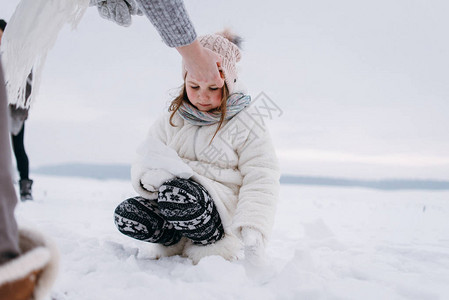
122,172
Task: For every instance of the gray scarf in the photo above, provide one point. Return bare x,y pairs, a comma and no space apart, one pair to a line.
234,104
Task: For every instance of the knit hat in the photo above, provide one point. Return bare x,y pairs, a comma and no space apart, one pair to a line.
227,46
2,24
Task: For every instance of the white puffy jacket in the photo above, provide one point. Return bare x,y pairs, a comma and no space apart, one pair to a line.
239,169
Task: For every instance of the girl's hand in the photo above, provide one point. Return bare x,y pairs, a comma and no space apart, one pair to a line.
202,64
154,178
254,246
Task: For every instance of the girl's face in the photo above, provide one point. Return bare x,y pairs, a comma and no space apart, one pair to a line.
203,96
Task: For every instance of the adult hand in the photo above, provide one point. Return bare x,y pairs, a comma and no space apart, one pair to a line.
202,64
18,116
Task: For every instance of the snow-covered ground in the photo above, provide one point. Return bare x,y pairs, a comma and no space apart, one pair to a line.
328,243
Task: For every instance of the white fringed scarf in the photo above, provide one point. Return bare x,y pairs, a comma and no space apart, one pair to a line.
30,34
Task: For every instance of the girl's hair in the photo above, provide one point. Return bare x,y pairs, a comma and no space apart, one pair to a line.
177,102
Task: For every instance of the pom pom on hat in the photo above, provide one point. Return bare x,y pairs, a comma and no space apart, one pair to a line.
227,46
233,38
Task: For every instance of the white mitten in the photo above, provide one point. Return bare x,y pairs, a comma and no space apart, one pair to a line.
152,179
18,116
254,246
118,11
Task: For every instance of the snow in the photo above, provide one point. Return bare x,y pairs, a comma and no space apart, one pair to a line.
328,243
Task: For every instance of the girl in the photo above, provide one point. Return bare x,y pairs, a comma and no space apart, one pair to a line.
207,175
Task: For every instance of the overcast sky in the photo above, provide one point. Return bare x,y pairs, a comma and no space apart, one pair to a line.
362,88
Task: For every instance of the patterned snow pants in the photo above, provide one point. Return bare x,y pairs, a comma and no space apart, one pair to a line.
183,208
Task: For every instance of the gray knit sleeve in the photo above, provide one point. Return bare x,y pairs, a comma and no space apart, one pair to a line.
170,19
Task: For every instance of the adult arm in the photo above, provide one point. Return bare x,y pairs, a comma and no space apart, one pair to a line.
170,19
